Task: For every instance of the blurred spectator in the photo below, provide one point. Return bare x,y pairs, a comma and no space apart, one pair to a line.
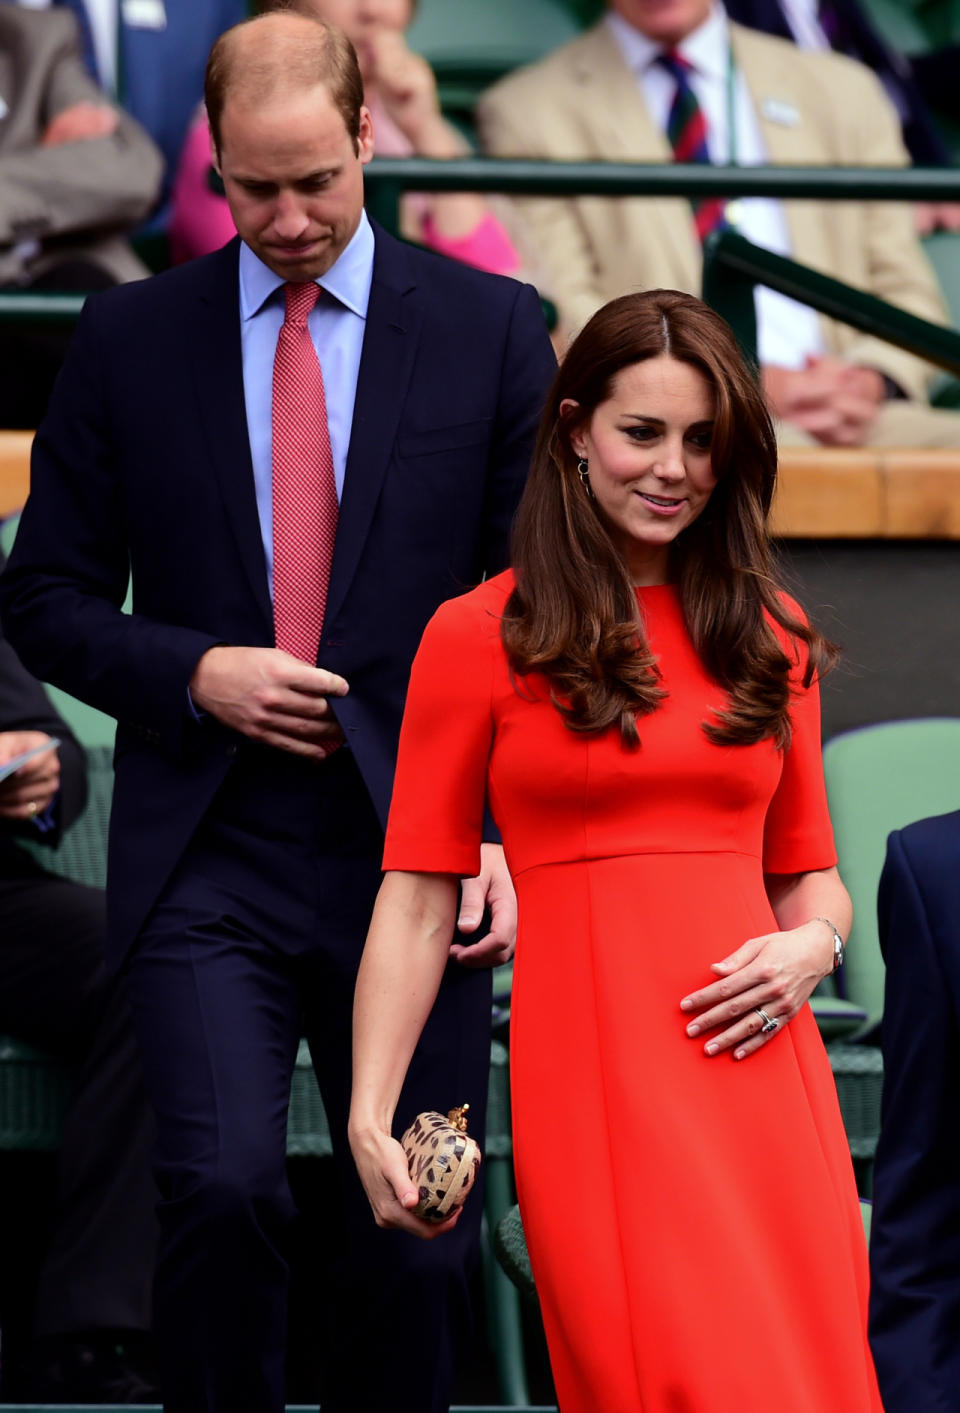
401,93
93,1305
150,56
915,1241
655,77
846,26
75,173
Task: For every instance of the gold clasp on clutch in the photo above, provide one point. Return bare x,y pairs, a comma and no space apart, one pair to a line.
458,1118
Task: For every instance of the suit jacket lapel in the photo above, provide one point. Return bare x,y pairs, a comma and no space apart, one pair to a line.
218,365
394,316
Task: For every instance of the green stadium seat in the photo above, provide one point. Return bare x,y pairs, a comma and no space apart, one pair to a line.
943,251
880,778
470,46
905,25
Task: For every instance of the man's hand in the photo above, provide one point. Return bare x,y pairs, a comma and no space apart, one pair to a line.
833,401
270,696
31,789
929,216
79,123
493,888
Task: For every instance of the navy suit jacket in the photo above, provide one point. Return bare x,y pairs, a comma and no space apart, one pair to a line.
915,1238
143,462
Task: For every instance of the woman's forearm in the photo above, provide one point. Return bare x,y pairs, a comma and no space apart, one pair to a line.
798,898
406,951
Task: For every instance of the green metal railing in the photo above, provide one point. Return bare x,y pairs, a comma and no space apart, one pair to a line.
388,177
733,266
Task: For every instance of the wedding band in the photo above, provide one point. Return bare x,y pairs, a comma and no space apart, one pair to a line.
32,808
770,1023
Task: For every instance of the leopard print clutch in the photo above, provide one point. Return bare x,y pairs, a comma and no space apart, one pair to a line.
444,1161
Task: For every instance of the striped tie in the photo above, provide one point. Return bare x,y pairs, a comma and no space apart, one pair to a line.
687,135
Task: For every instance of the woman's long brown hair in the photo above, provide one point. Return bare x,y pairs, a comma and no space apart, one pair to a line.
573,614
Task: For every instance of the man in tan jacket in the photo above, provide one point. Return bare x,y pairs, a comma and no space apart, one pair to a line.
608,95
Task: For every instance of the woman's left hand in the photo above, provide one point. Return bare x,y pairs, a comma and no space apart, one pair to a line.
775,973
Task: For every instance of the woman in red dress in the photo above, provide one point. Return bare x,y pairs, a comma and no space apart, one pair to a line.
637,703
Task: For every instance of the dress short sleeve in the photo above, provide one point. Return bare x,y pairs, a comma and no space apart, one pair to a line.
798,835
437,809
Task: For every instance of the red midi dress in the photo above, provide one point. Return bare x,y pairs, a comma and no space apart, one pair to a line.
692,1222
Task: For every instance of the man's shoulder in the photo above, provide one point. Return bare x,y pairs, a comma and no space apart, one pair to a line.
36,30
442,278
170,290
931,849
547,77
769,57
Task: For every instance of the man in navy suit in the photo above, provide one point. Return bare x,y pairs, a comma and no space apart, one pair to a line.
252,787
915,1238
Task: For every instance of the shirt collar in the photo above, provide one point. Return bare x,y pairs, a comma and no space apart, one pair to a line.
707,47
348,280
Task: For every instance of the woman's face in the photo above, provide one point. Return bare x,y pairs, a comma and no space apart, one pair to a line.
359,19
648,449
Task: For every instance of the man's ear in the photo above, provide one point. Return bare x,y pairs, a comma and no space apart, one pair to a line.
365,143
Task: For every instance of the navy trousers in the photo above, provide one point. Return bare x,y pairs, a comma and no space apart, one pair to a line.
55,992
255,941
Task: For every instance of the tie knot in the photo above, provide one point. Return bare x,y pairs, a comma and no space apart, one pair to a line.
300,300
675,64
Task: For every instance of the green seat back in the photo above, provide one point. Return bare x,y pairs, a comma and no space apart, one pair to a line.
909,26
470,45
880,778
8,533
943,251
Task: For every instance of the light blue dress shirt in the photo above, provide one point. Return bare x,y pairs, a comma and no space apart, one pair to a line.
336,323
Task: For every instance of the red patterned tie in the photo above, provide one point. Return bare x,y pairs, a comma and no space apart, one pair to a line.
304,489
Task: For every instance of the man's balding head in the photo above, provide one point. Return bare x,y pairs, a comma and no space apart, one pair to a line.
285,53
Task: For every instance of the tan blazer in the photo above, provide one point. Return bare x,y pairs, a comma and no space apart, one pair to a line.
75,198
583,103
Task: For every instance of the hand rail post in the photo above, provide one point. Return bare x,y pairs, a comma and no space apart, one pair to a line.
731,293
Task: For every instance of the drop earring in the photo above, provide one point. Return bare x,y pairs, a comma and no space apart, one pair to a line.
583,471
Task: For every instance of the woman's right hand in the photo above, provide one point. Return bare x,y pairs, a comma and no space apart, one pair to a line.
382,1165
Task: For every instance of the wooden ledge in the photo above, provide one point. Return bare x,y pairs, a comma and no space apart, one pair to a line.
14,471
868,493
